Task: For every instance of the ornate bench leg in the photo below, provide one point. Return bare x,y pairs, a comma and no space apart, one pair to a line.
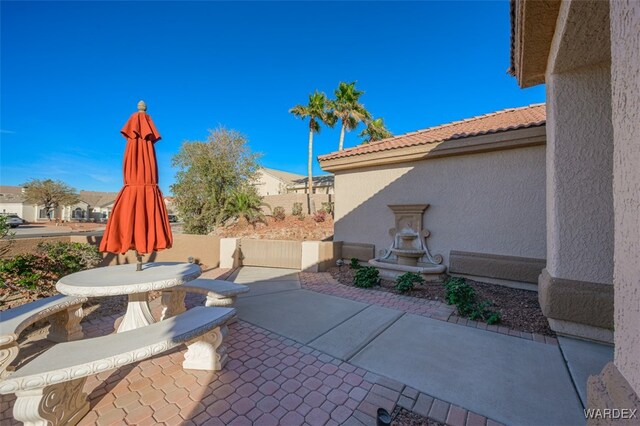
65,325
59,404
207,352
172,303
222,302
8,352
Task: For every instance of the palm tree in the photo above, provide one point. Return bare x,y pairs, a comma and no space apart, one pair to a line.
317,111
245,203
375,131
347,108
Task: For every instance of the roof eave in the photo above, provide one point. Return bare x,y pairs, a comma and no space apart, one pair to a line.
509,139
533,24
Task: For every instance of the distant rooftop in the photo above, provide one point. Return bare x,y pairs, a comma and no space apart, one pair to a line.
500,121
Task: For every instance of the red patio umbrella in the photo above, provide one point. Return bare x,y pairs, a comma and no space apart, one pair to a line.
139,219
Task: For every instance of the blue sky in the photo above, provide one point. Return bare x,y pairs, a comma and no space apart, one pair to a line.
73,72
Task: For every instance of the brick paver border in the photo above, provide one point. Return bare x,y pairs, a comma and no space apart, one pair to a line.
323,282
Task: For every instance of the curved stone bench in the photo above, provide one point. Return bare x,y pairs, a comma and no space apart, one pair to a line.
64,313
49,388
219,293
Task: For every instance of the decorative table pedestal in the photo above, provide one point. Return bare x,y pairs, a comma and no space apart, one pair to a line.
124,279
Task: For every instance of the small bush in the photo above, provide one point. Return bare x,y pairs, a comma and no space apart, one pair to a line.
41,270
461,294
301,217
366,277
406,281
278,213
67,258
328,207
354,263
320,216
297,209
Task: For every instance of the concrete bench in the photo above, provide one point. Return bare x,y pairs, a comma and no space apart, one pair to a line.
49,388
64,313
219,293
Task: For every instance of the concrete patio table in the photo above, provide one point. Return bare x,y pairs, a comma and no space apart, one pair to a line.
124,279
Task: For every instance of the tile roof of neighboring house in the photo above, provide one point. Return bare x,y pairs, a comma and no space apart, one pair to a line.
98,199
500,121
11,194
285,177
322,180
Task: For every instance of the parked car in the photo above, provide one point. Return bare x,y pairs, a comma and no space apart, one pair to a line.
173,218
14,221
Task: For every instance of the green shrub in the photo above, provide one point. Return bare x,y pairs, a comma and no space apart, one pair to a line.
354,263
301,217
42,269
366,277
67,258
328,207
406,281
461,294
278,213
296,210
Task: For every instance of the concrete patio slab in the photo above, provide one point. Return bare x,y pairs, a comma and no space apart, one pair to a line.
258,288
252,274
511,380
300,315
351,336
584,359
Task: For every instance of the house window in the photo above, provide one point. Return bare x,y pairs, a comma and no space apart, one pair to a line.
78,213
42,214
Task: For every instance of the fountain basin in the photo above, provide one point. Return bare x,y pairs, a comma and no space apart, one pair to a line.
431,272
408,257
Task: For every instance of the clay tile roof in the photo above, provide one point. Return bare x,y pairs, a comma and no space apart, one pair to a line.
500,121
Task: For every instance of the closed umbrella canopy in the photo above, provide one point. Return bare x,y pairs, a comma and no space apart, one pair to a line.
139,219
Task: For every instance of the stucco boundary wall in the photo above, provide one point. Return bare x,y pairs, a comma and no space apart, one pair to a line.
205,250
287,200
307,256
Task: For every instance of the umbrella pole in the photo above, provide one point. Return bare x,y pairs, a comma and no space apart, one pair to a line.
139,264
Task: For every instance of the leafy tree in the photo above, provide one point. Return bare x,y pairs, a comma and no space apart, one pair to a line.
348,109
317,111
245,203
49,194
375,131
209,173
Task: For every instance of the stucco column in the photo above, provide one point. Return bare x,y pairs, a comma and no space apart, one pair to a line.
618,386
575,289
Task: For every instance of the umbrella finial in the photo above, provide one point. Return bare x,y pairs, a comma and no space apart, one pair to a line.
142,107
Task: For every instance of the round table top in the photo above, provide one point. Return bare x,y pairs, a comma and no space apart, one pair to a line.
124,279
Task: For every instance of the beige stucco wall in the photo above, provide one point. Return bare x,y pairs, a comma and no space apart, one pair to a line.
579,175
625,84
205,249
488,203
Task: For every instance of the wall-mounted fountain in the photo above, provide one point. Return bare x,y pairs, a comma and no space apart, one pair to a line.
408,251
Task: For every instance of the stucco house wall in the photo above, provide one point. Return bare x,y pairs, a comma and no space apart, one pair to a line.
267,184
491,203
625,84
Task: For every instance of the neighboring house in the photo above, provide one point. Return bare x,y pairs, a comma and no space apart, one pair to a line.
274,182
93,205
12,202
588,55
322,184
483,177
278,182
